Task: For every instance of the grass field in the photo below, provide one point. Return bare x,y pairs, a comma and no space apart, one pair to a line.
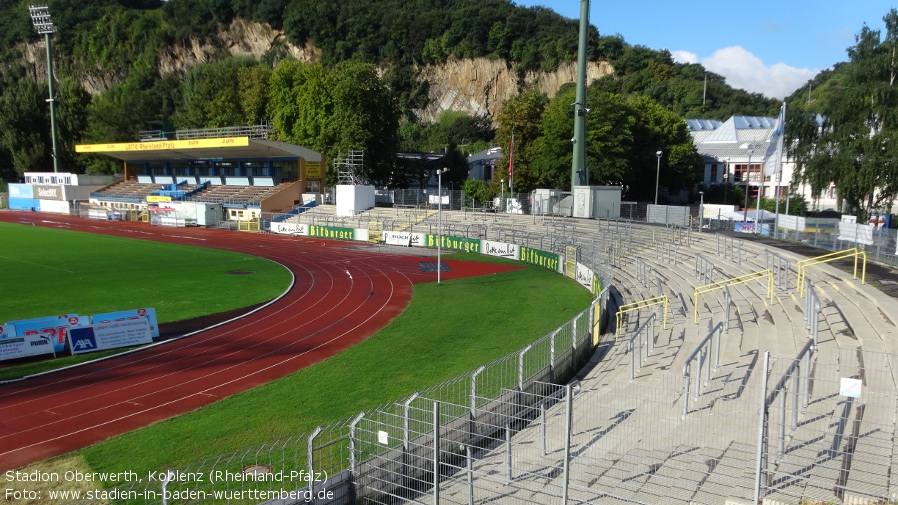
48,272
448,329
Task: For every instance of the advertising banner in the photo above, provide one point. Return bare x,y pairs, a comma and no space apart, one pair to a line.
13,346
457,243
402,238
290,228
21,191
541,258
99,337
333,232
53,328
570,261
43,192
129,315
585,277
857,233
501,249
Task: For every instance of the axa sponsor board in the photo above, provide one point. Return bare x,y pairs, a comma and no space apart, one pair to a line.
149,314
99,337
501,249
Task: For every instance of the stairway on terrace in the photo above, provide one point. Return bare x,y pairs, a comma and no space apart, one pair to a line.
630,441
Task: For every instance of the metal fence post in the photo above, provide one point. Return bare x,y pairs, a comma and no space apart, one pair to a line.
352,444
311,455
508,475
542,416
474,400
470,474
521,367
436,453
762,430
568,428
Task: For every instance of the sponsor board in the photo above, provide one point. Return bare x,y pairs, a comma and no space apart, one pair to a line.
570,261
53,328
42,192
13,346
501,249
540,258
290,229
99,337
163,144
457,243
313,170
857,233
25,191
402,238
585,277
129,315
332,232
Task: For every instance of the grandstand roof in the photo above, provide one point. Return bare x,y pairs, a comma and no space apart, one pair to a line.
200,149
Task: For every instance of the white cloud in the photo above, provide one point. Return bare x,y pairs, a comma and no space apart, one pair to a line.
746,71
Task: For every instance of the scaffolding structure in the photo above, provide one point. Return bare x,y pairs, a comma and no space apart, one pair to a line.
351,169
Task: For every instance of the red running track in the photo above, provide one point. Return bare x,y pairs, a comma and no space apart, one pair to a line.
342,293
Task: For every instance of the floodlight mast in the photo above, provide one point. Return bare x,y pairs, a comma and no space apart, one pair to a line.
40,17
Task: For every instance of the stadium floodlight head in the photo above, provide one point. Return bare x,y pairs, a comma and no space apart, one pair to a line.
40,16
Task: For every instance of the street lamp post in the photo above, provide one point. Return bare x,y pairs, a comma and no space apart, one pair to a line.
747,184
439,220
726,181
787,211
40,17
701,210
501,194
657,175
758,205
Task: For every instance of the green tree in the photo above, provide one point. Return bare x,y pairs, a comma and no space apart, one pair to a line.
521,116
853,142
25,126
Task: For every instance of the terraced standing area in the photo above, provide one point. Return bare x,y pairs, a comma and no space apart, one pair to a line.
820,361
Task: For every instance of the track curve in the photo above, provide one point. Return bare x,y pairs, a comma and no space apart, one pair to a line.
342,293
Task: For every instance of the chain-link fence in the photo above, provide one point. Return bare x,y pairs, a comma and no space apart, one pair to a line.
386,454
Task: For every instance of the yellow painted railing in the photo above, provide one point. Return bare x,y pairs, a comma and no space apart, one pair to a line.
642,304
733,281
826,258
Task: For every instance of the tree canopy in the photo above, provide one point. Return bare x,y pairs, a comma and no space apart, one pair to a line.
848,135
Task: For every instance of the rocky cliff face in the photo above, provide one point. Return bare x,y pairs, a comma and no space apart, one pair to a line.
477,86
480,86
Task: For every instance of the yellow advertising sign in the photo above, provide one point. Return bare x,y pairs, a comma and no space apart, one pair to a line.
157,198
313,170
161,145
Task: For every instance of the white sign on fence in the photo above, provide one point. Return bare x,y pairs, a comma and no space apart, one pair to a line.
857,233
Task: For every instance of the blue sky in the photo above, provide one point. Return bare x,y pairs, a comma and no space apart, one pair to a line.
763,46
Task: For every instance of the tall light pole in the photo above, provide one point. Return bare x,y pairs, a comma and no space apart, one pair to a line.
657,175
440,220
747,182
40,17
578,159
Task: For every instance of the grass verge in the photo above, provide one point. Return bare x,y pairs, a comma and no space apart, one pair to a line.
448,329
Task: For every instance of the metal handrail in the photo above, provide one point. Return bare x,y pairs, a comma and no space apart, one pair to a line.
701,351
